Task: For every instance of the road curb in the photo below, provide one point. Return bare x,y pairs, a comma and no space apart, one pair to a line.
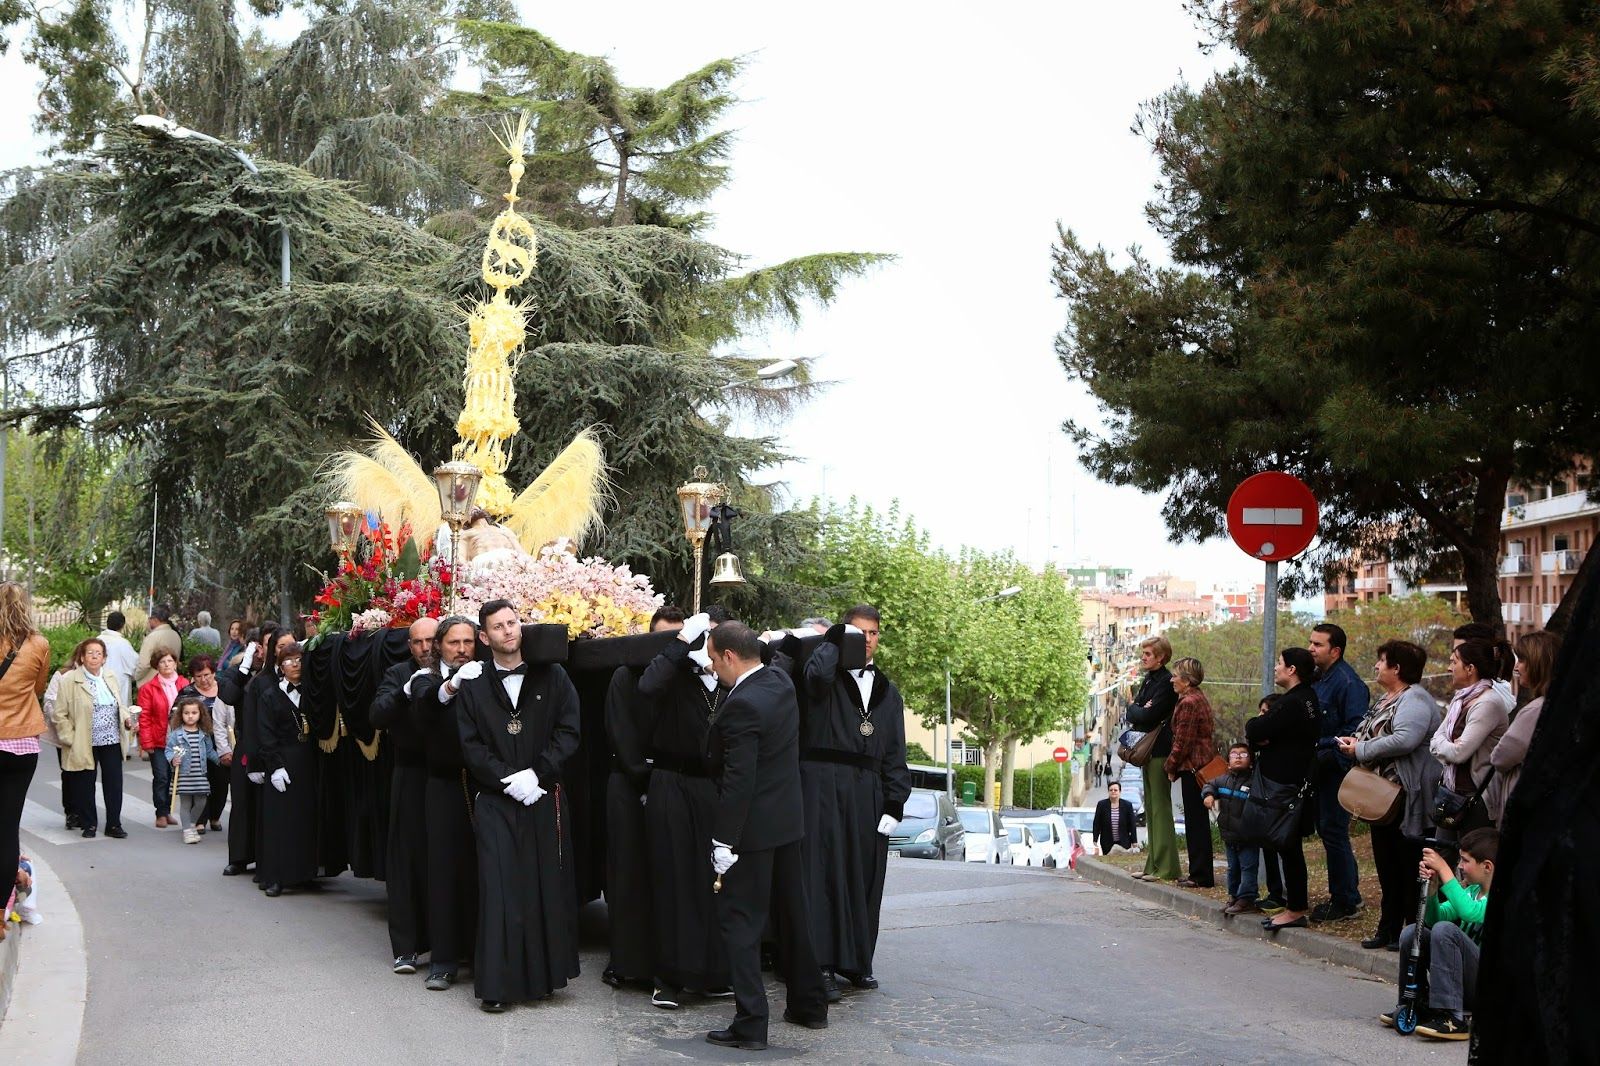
43,1023
1316,945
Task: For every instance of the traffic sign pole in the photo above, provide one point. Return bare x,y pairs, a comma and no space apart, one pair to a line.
1272,516
1061,755
1269,633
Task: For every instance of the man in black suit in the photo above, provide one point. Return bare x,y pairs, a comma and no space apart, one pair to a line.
1113,821
754,752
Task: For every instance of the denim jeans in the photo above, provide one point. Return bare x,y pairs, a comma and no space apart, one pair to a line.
1333,826
161,783
1243,870
1449,966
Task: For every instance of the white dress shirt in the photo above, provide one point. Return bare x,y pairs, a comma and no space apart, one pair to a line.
864,683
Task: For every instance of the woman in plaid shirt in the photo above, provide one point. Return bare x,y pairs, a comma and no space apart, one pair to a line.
1192,749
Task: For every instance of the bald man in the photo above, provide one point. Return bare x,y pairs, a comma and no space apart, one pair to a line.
407,873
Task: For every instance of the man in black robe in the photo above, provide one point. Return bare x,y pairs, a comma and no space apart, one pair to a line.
288,756
406,869
855,782
754,752
234,688
519,725
678,698
629,875
452,869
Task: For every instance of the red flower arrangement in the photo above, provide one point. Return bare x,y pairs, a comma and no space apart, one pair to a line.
389,588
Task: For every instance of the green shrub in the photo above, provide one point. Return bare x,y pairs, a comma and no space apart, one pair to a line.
63,639
917,753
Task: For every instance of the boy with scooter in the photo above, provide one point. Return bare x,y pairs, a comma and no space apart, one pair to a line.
1450,937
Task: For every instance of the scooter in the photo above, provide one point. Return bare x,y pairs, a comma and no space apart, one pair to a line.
1405,1018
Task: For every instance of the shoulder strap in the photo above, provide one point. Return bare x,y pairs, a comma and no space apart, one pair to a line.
5,664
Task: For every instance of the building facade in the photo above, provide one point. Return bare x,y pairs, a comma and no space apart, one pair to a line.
1545,532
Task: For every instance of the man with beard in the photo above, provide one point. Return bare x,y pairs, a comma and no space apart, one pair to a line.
452,866
519,725
754,754
678,698
406,874
629,873
855,782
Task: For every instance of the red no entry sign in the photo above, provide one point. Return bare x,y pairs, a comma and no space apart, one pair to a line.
1061,754
1272,516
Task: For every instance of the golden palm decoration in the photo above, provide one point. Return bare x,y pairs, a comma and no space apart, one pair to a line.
564,501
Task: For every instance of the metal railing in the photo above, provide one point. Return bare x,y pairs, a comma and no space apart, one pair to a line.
1513,565
1560,562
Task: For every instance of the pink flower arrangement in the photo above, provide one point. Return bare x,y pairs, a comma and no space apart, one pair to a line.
589,596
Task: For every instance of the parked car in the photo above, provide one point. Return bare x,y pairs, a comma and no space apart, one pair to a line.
986,836
1080,819
929,829
1022,849
1047,829
1132,780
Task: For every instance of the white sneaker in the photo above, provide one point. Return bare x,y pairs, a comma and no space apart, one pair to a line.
191,836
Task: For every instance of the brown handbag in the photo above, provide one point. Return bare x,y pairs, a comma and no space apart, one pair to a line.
1139,752
1371,797
1211,770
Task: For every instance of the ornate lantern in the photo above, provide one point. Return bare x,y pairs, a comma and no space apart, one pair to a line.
345,522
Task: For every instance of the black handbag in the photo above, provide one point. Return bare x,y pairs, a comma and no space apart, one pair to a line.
1273,813
1451,808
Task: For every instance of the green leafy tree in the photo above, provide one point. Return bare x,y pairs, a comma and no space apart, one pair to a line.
1385,222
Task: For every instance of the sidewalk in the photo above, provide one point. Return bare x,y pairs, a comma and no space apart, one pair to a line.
1332,949
47,980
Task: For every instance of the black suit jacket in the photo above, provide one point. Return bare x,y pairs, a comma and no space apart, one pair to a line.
1127,830
754,750
1152,709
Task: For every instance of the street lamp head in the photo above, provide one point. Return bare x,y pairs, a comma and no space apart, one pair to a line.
696,499
1007,593
164,126
777,370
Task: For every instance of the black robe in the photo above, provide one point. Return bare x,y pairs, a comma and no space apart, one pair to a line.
288,845
628,877
527,889
848,783
406,866
237,689
452,855
675,711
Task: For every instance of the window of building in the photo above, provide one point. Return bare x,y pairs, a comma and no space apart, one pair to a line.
1559,542
1516,499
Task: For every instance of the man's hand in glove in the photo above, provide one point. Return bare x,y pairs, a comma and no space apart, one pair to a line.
406,688
521,785
694,627
256,777
249,659
887,823
280,779
722,858
466,672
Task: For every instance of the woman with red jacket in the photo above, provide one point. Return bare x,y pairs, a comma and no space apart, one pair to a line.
155,707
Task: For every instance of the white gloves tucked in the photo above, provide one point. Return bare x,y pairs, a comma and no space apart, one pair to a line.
523,786
701,658
280,779
694,627
886,824
249,659
722,857
406,688
256,777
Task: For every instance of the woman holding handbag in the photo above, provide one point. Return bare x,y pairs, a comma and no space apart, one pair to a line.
1392,742
1284,739
1473,725
1192,750
1151,711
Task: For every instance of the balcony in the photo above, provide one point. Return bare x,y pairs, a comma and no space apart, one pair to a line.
1545,611
1537,511
1513,565
1561,562
1516,613
1367,584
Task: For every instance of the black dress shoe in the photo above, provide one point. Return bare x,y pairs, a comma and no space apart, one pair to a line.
1376,941
73,822
116,832
725,1038
1298,923
491,1006
862,980
612,978
233,869
809,1023
273,889
830,987
88,832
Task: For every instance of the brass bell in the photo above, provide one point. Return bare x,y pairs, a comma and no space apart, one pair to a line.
726,572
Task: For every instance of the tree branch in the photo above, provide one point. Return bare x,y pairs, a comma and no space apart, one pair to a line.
1500,204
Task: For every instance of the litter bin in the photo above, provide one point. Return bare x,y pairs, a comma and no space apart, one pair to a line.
969,793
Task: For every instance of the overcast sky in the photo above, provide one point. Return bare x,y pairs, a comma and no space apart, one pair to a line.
953,136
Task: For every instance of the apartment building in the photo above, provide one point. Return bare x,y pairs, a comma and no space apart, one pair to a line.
1545,532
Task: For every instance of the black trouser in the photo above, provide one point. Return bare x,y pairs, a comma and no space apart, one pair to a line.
761,881
1274,869
1197,832
452,872
219,776
78,788
1396,858
16,774
1294,874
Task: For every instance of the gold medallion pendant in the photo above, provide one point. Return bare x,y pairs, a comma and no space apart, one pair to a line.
866,728
514,727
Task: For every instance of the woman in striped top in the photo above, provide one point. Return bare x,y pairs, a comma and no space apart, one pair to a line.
191,750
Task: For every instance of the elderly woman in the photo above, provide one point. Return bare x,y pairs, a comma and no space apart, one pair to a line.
1283,739
1151,710
86,707
1392,741
1536,661
1472,726
1192,749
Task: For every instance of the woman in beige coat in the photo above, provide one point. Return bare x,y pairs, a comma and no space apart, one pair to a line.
88,714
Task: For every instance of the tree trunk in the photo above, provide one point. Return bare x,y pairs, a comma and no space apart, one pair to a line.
991,762
622,214
1008,773
1480,562
1569,602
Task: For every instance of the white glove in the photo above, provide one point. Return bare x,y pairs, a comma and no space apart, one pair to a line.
280,779
535,796
521,785
406,688
701,658
848,628
644,801
256,777
466,672
886,824
695,627
722,858
249,659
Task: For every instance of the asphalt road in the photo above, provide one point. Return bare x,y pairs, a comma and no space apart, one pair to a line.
978,965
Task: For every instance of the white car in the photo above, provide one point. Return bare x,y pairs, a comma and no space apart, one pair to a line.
1051,831
1081,819
986,837
1022,849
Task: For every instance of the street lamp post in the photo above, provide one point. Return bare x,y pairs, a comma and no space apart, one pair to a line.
696,500
949,735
